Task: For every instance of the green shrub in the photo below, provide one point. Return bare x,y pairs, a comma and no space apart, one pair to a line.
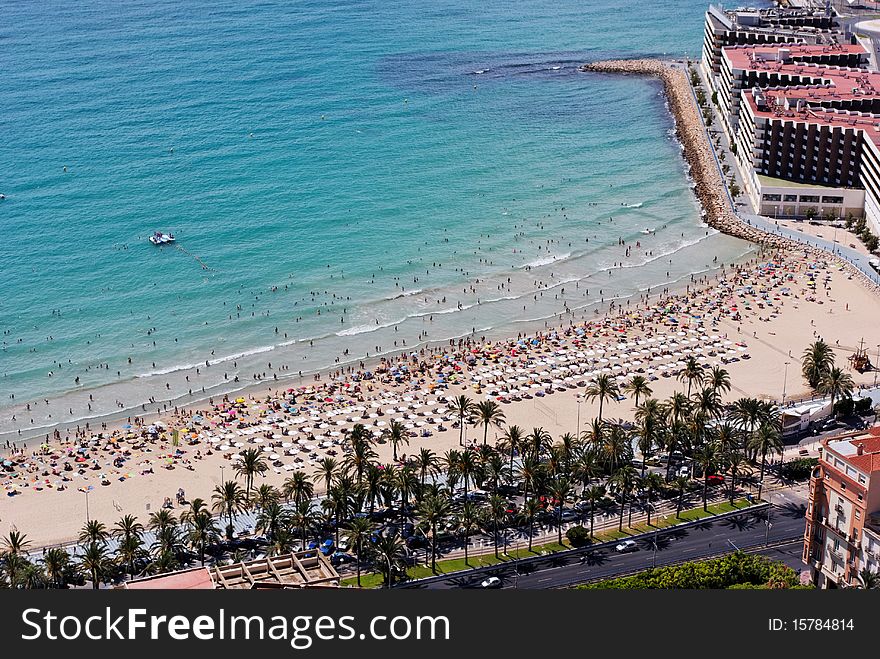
737,569
578,536
844,407
799,469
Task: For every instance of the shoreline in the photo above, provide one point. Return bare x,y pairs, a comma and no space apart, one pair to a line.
289,379
699,155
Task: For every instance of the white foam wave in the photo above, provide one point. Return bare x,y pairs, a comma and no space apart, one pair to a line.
414,291
363,329
547,260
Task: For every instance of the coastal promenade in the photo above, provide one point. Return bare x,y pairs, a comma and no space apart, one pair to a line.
719,211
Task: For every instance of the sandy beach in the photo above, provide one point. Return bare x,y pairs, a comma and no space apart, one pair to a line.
751,320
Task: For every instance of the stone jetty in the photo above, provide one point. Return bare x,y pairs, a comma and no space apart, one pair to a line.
709,185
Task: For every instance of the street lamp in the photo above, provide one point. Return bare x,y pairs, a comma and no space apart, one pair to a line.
784,382
87,507
769,524
222,476
580,400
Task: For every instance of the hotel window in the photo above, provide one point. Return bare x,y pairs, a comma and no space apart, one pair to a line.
772,197
809,199
861,480
789,197
832,200
861,497
858,515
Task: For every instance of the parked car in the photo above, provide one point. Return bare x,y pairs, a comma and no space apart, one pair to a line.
627,546
715,479
343,543
491,582
340,557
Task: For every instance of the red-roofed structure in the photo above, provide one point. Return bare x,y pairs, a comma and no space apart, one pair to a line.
842,534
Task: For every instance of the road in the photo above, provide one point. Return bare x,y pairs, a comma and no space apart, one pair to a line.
704,539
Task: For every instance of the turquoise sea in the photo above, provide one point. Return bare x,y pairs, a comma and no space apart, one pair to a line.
399,167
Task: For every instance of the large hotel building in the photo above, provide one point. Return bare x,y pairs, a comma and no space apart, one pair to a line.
801,108
842,535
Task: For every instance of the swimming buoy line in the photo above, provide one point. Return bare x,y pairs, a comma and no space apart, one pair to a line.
204,265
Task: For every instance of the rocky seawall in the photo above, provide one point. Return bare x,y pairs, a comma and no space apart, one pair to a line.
709,185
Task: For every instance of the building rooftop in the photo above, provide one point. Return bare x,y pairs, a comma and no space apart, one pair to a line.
294,570
860,449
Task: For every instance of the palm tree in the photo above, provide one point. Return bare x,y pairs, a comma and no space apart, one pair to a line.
462,407
837,384
252,463
392,550
299,488
868,580
271,519
228,499
361,453
734,458
529,471
691,372
327,468
681,483
707,457
538,442
560,490
161,520
531,508
33,577
719,380
585,467
647,432
94,563
56,562
128,527
817,360
637,386
468,468
201,531
396,435
15,543
623,481
707,404
433,510
426,463
302,517
130,549
766,440
467,521
359,530
94,531
264,496
129,533
678,408
497,509
489,413
604,388
651,483
512,439
595,494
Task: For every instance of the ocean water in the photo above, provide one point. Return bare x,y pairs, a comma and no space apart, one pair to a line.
339,176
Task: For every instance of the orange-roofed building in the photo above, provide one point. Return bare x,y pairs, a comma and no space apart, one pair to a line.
842,535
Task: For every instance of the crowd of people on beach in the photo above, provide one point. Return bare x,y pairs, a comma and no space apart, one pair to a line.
298,426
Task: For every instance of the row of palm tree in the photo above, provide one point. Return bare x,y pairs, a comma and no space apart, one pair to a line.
437,494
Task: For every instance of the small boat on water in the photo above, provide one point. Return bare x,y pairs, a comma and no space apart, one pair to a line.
160,238
647,231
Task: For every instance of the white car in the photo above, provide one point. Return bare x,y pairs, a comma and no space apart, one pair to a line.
627,546
491,582
343,543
